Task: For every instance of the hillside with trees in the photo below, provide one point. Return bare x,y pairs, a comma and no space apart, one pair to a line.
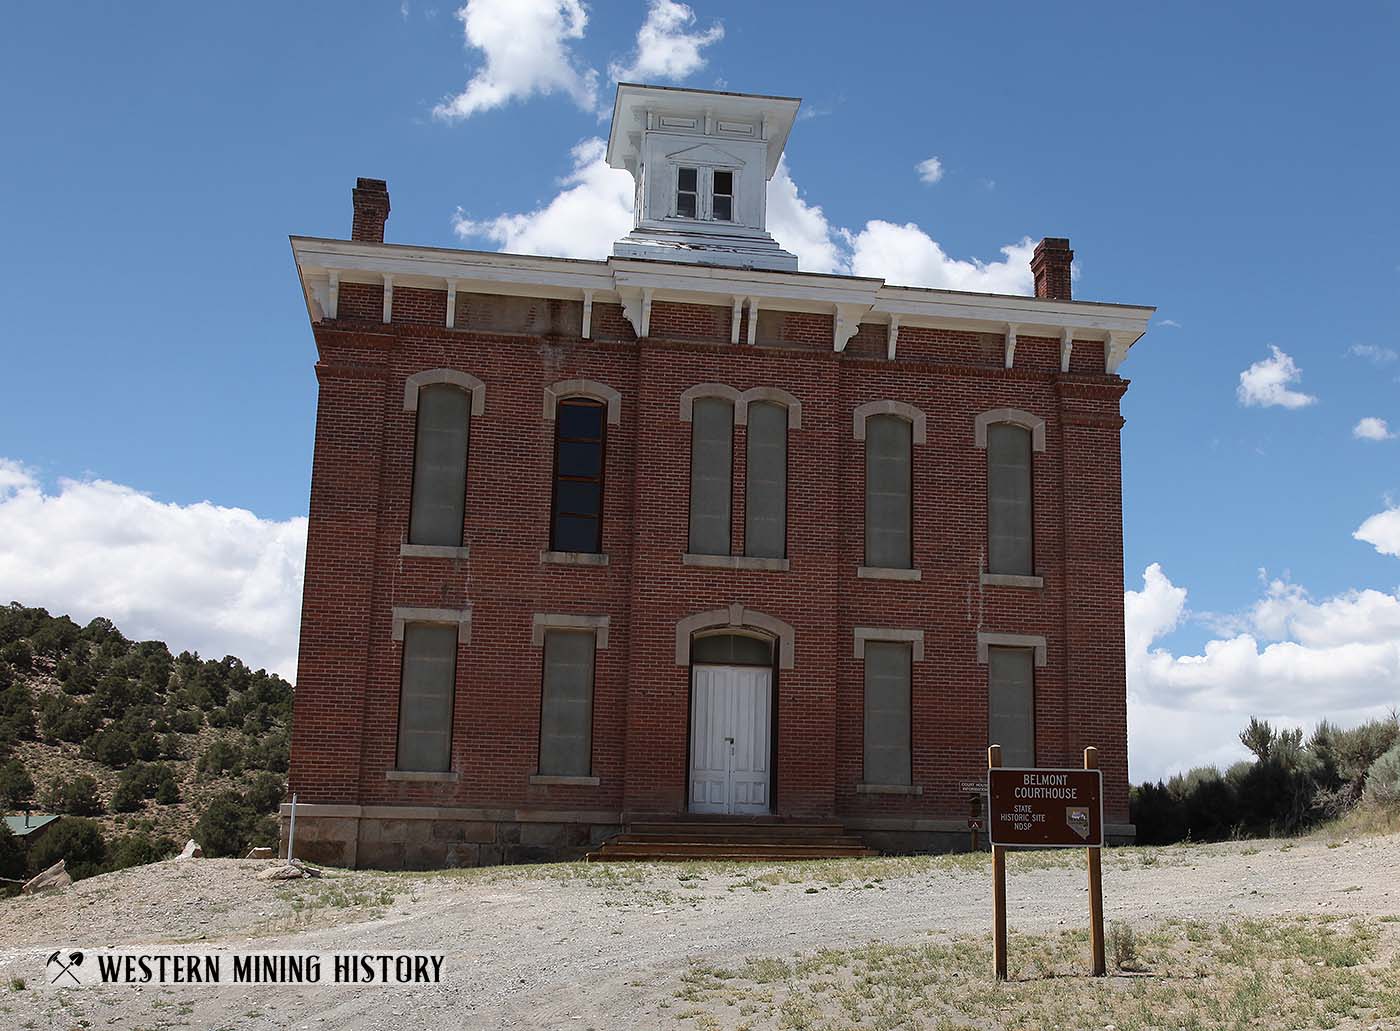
140,748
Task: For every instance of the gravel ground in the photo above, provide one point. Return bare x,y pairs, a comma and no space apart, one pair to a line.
604,946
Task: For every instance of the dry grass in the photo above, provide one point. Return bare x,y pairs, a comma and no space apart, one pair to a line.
1363,821
1268,974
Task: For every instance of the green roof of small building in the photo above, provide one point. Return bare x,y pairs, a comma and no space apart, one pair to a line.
22,825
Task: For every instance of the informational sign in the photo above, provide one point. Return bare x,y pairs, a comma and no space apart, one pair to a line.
1045,808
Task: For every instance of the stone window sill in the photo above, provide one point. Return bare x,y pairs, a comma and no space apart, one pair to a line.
544,778
772,565
573,558
889,789
432,551
448,777
887,573
1011,580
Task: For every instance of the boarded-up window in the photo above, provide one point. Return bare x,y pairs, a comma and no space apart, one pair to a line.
566,711
1009,500
1011,704
765,506
711,460
440,466
887,676
425,696
888,442
578,476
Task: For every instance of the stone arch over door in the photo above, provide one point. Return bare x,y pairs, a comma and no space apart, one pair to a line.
738,616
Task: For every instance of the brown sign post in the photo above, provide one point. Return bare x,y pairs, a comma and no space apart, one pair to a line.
1045,808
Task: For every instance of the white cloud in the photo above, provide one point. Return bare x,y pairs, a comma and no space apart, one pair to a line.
1371,428
581,221
930,170
1379,355
1292,659
1266,383
1382,532
665,49
220,581
1169,324
594,208
907,255
801,227
525,49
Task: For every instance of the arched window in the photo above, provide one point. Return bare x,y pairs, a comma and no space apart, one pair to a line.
1010,548
765,493
440,465
711,468
888,492
730,649
580,429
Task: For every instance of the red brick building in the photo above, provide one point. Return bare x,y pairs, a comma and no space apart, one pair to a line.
691,531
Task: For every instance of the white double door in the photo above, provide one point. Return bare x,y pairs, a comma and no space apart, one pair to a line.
731,739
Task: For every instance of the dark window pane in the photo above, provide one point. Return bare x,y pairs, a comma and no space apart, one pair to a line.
578,497
888,443
439,466
732,650
566,711
765,509
575,533
581,420
724,183
1011,704
425,697
724,208
580,458
685,205
887,713
687,178
711,458
1009,500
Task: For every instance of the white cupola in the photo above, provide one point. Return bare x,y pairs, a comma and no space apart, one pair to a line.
701,160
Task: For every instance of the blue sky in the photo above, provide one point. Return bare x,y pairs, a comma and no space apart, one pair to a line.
1232,164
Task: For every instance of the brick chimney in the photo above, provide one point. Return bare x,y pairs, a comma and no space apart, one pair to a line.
371,197
1050,266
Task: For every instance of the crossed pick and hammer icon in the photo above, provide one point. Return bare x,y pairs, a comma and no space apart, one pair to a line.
75,959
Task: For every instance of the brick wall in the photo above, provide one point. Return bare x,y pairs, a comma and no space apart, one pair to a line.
347,693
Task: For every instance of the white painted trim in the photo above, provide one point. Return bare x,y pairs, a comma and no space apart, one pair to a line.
456,377
388,298
333,293
987,639
1066,348
1015,417
905,411
753,321
737,615
598,391
566,621
587,332
567,278
892,339
845,323
1010,345
896,635
735,319
461,617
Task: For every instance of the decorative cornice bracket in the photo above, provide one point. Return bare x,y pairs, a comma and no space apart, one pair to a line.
846,323
892,341
1010,344
1115,349
1066,347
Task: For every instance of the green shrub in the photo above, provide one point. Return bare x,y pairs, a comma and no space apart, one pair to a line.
221,756
66,720
16,786
110,746
138,849
265,793
226,826
1383,779
186,721
72,838
17,712
18,654
141,781
55,637
76,797
12,860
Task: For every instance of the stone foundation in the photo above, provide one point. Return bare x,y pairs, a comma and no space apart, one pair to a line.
420,838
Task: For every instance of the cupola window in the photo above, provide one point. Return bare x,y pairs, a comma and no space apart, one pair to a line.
688,193
724,196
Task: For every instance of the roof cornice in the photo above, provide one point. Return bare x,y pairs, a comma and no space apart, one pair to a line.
635,283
